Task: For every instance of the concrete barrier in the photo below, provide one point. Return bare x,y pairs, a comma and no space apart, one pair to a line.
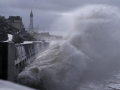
14,57
7,59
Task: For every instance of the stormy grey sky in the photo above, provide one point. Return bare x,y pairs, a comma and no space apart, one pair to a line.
45,11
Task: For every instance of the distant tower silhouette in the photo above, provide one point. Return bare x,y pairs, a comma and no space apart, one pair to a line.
31,21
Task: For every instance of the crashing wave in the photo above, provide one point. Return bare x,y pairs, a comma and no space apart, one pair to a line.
91,51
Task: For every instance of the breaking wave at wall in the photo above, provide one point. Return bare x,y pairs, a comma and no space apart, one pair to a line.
90,52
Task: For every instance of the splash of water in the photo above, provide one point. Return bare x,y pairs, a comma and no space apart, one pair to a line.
91,51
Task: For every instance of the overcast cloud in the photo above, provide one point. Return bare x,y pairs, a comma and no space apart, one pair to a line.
45,11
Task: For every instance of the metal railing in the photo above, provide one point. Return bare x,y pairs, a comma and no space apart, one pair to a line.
14,57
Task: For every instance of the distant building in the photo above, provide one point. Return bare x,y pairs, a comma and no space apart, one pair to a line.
15,21
2,17
46,36
31,22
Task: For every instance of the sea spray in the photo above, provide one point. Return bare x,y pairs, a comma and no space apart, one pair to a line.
91,51
98,38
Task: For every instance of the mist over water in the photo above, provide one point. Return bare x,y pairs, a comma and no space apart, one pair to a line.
86,59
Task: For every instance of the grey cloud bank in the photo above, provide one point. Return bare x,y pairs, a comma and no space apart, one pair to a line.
45,11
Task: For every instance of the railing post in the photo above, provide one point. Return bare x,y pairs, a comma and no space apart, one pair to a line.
7,61
11,61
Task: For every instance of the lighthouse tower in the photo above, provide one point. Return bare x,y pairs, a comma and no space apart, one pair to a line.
31,22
